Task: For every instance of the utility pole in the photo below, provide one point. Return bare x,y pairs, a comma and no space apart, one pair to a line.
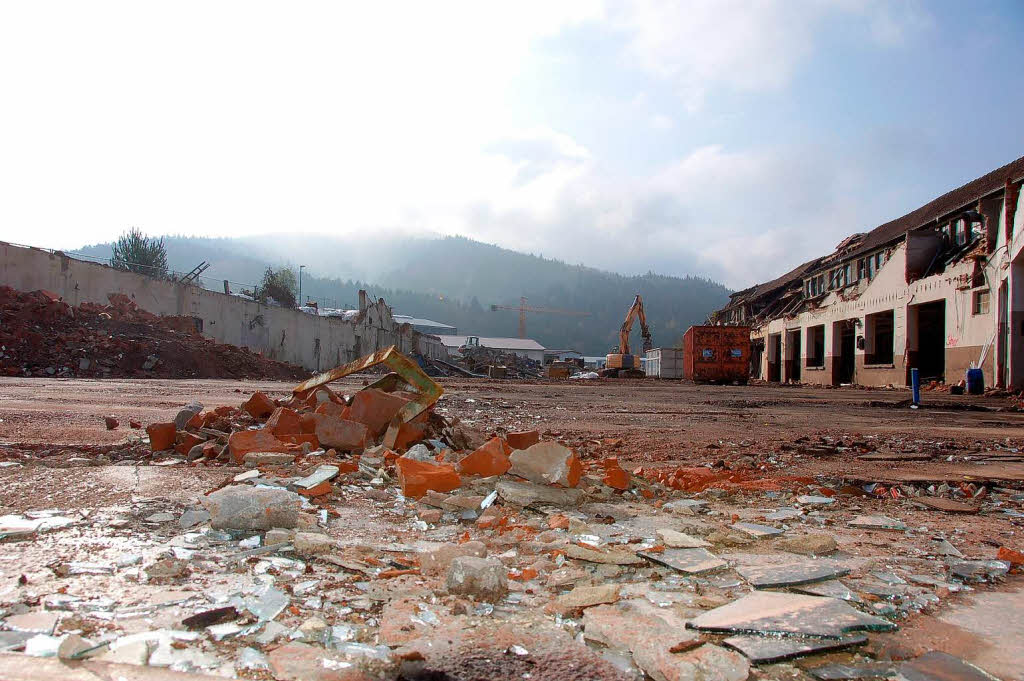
301,267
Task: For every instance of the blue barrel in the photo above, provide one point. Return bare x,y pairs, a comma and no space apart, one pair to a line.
975,382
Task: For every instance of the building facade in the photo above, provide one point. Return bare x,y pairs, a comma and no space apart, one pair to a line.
940,289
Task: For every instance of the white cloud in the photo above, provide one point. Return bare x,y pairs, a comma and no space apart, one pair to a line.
745,45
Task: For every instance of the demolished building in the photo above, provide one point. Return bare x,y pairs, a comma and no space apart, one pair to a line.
280,333
940,289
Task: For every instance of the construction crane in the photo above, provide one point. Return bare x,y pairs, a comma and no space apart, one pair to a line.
620,361
524,308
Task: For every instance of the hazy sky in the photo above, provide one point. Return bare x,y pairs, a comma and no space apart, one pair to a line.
732,139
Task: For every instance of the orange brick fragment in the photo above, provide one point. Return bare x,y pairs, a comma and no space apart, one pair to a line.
1010,556
188,441
319,490
375,408
490,459
419,477
259,405
558,522
197,421
284,421
161,435
522,440
244,441
332,409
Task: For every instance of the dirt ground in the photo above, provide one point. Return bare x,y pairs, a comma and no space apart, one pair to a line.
769,443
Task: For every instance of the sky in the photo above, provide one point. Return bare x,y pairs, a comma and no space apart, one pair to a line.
720,138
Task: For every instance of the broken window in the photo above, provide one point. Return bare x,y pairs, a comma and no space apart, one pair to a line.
816,346
879,337
847,274
961,232
981,299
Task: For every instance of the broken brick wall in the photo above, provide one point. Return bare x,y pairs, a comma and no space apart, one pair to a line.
316,343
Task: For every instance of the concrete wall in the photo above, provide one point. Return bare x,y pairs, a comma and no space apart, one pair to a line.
316,343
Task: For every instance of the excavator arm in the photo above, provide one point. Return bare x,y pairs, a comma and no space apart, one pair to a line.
636,311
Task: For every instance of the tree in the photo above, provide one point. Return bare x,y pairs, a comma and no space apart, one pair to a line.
278,284
134,252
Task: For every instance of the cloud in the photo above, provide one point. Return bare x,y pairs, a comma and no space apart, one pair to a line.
744,45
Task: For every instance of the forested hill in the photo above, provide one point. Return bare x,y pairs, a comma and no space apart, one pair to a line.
455,280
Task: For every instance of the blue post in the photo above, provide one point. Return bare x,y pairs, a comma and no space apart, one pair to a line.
915,385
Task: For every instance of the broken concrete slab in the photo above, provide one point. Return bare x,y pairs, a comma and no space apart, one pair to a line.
680,540
767,649
939,666
483,578
694,561
877,522
832,588
530,494
947,505
583,597
547,463
757,531
784,613
790,574
320,475
852,672
252,508
808,544
608,556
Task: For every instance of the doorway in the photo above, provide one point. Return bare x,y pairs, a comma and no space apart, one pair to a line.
793,352
756,356
929,347
844,347
775,357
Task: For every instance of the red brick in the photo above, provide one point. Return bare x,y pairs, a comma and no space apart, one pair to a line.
307,423
245,441
300,438
490,459
188,441
161,435
110,422
332,409
340,434
259,405
320,490
523,439
1010,556
375,409
284,421
198,420
419,477
408,434
134,424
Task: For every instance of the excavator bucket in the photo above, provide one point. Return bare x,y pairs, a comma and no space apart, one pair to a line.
427,391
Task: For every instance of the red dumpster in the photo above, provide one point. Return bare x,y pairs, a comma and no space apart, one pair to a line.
716,354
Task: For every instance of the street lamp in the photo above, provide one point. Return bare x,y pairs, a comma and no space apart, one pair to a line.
301,267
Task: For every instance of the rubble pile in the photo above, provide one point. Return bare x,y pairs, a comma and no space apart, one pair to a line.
41,335
376,535
478,359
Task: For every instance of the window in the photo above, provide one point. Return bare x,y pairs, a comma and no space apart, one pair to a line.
878,337
961,232
879,261
862,269
981,302
816,346
847,274
870,262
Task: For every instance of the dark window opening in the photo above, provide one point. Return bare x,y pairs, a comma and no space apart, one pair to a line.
816,346
879,337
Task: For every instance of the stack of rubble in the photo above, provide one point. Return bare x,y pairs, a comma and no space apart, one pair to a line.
367,536
41,335
478,360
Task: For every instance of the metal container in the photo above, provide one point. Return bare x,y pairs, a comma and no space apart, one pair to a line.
664,363
717,354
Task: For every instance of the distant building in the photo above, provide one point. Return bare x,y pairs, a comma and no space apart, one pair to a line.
524,347
594,362
561,356
426,325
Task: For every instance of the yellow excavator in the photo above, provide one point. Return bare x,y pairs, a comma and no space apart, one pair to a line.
620,362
